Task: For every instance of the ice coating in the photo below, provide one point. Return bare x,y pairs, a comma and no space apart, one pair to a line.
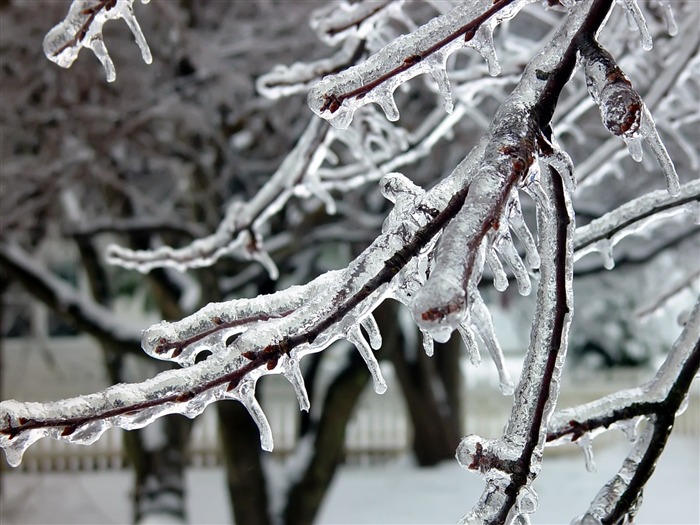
633,9
631,218
238,234
342,20
622,110
337,97
652,392
605,501
82,27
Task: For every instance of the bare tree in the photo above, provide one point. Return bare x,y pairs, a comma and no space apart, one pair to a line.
429,252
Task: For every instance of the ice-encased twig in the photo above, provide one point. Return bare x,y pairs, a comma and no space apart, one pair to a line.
634,216
509,464
597,416
623,112
82,27
238,233
424,50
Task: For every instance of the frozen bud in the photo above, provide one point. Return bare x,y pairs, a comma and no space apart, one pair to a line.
620,105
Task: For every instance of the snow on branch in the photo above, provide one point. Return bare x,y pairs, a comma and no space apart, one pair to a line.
90,316
82,27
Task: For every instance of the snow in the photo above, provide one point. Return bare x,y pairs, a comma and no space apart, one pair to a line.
396,493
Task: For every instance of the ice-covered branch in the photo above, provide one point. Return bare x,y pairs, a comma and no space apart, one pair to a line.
660,401
509,464
425,50
82,27
662,396
239,231
622,110
604,233
89,316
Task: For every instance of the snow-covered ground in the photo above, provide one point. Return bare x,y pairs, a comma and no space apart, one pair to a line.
397,493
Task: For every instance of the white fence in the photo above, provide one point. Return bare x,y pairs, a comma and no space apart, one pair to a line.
378,430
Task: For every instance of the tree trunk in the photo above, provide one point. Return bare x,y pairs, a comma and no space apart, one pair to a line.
305,497
244,471
430,386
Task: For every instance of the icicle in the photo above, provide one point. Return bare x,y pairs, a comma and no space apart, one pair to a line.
428,344
562,163
633,9
82,27
356,338
292,371
483,323
516,221
505,247
586,444
372,329
470,343
651,135
605,248
671,25
500,279
630,428
127,14
261,256
439,73
97,45
245,393
483,43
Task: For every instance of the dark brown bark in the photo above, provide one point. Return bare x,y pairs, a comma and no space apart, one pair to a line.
430,386
305,497
242,455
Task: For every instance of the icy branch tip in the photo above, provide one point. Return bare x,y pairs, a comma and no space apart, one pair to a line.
82,27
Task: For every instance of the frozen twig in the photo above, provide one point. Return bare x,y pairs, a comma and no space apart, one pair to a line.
82,27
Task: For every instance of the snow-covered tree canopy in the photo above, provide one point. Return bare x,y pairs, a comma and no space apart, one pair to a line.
438,241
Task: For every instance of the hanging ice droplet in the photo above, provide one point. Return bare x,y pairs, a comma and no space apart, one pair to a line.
527,500
634,146
605,248
428,344
388,104
292,372
357,339
586,444
683,406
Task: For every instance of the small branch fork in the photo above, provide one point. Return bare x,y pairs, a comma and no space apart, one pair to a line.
91,13
659,401
268,356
